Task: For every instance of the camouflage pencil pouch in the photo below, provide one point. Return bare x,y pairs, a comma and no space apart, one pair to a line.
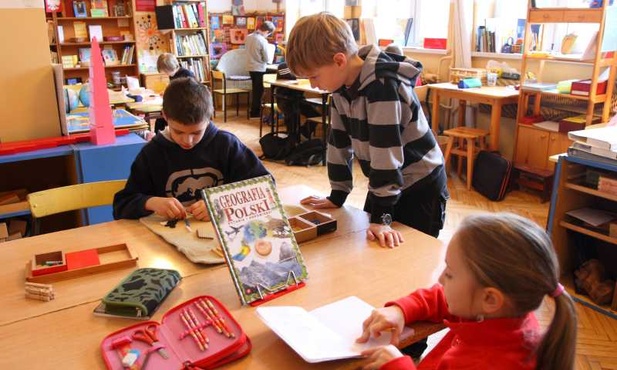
141,293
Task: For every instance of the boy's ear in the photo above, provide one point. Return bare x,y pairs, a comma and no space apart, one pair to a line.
339,59
493,300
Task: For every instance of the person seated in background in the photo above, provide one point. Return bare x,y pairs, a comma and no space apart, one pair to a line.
168,64
187,156
287,100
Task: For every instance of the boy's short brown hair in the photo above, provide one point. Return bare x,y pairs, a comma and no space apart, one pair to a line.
167,62
315,39
187,101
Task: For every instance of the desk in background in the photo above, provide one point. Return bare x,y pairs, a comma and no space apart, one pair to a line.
67,335
304,86
496,97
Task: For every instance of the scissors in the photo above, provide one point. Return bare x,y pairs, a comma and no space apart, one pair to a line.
148,336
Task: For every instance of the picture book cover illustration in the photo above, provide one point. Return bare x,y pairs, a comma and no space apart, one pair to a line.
257,239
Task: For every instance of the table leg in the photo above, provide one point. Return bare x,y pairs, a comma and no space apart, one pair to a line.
272,113
462,109
494,131
435,112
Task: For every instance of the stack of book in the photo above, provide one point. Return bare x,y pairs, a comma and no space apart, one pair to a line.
599,144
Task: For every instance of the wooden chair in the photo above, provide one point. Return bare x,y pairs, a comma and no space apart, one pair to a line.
71,198
469,141
219,87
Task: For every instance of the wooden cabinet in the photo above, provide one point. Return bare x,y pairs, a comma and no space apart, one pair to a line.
535,145
533,97
71,39
186,25
575,241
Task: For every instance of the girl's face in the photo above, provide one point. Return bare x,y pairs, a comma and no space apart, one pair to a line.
463,294
187,136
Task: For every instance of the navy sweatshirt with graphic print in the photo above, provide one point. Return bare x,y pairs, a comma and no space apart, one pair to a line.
163,169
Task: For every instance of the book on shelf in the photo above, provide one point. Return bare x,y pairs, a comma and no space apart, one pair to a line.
84,55
110,56
260,249
603,137
326,333
98,8
96,31
578,153
607,153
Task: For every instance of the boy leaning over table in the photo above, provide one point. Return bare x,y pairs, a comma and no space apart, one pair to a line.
377,118
190,154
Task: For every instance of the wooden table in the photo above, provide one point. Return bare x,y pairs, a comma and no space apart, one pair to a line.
495,96
67,335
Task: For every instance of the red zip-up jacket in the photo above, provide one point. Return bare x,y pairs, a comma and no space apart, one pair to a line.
505,343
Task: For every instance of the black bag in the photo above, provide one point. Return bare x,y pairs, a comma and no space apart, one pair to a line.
277,146
491,175
308,153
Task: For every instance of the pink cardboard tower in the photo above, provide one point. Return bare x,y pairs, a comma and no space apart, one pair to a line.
101,120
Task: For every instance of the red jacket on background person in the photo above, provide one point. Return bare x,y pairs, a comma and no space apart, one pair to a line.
504,343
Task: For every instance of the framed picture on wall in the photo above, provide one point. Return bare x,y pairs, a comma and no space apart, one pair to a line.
238,35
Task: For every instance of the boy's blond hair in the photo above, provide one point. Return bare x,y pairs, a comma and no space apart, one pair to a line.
314,41
167,62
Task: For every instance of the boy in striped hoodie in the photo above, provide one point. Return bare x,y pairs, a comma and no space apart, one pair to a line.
375,117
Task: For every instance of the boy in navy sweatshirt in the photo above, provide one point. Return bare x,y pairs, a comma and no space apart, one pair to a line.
189,155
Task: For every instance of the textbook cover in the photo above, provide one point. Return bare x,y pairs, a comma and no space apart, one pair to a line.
257,240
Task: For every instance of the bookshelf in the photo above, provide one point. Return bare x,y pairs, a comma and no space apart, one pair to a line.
186,25
70,34
533,144
574,240
229,31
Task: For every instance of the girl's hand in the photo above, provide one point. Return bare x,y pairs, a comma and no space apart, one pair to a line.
387,236
199,211
170,208
318,202
379,356
386,319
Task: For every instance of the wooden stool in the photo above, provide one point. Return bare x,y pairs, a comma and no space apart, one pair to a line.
469,141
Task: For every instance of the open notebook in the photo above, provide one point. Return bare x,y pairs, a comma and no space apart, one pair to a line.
326,333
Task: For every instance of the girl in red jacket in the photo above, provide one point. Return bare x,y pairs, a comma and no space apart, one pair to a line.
499,268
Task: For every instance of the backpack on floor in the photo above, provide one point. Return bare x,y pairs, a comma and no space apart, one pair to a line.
276,145
491,175
308,153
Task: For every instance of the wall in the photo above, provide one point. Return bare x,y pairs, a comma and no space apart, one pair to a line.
28,109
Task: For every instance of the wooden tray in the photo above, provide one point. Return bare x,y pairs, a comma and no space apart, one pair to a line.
105,258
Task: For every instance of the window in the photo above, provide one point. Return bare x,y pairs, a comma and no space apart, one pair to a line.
430,19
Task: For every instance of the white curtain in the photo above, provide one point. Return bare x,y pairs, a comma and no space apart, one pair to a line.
459,47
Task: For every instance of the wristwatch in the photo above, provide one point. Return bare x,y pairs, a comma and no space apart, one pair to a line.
386,219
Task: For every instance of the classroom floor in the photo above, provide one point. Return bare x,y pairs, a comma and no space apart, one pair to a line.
597,336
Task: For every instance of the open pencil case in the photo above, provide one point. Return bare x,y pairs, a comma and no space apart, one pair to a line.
181,334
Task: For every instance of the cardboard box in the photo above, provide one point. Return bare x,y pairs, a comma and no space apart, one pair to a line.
583,87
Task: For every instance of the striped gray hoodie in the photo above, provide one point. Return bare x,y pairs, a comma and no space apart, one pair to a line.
379,121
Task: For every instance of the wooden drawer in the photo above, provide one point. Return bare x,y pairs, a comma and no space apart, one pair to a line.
156,82
583,16
546,15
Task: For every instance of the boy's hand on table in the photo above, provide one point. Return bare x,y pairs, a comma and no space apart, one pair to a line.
199,211
170,208
318,202
387,236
